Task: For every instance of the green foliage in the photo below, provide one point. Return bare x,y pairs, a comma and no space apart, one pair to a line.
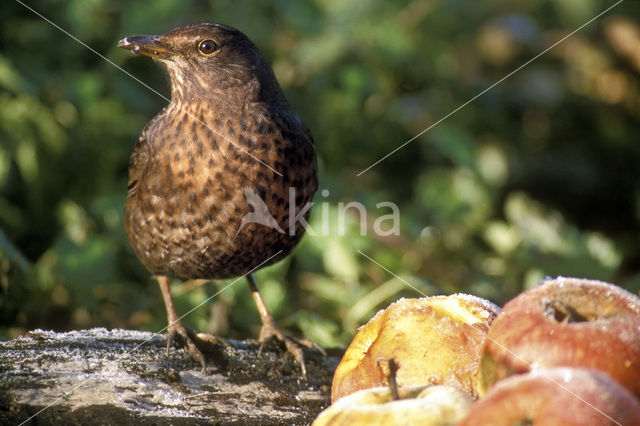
539,176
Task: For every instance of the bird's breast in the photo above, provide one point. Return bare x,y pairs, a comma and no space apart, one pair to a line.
186,216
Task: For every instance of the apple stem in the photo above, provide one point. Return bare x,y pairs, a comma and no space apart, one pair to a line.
562,312
393,384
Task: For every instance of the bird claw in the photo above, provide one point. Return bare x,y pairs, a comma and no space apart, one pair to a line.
186,339
271,331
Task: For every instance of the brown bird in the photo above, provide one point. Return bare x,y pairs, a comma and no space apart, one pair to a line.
221,180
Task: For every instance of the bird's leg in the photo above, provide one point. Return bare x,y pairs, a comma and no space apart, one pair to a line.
270,329
176,328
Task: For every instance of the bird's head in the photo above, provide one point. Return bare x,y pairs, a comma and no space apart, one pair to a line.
211,62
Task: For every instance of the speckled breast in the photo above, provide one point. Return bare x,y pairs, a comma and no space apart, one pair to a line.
215,197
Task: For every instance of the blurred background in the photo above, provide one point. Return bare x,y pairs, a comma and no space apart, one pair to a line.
540,176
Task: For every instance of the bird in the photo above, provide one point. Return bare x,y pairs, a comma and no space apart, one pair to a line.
221,180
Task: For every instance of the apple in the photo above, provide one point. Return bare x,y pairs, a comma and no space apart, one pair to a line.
437,405
434,340
565,322
561,396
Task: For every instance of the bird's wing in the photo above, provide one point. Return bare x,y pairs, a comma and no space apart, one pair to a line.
142,152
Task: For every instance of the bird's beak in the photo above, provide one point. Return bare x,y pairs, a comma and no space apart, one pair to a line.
147,45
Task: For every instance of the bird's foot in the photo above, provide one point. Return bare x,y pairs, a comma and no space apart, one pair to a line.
294,346
192,342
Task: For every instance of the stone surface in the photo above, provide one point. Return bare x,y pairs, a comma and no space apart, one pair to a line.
101,376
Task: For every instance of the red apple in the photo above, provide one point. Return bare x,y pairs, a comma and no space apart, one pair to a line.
565,322
434,340
556,397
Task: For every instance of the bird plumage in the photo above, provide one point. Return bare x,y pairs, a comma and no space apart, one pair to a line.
227,132
191,167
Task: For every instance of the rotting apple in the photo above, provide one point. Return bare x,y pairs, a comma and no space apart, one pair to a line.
561,396
434,340
565,322
436,405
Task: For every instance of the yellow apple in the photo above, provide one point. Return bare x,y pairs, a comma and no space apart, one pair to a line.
434,340
436,405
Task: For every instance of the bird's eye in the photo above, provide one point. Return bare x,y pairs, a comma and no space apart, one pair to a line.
208,47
